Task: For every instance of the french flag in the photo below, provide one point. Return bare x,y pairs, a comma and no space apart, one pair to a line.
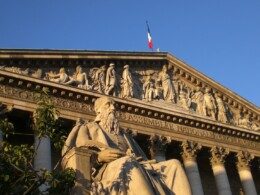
150,41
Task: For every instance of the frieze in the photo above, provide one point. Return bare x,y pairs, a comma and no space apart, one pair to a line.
192,131
33,97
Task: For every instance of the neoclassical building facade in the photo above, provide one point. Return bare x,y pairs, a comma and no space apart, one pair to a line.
172,110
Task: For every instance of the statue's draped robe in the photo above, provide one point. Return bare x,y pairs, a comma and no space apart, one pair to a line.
168,90
127,175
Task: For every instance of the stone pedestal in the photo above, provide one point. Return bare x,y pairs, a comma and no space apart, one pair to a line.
79,159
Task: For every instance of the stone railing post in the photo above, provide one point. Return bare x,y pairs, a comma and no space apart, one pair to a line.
189,156
217,161
243,165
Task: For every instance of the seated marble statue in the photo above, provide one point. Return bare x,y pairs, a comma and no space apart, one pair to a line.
121,167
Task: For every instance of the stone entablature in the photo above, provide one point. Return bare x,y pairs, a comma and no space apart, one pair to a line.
135,114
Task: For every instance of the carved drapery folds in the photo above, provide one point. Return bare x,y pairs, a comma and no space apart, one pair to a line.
218,155
190,150
162,83
127,83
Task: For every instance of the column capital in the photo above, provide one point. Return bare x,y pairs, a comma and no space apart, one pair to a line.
158,143
190,149
218,155
244,159
131,132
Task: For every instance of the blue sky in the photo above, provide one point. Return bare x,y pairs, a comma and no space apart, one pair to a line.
220,38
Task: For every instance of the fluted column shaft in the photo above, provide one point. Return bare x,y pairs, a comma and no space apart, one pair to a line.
1,136
189,158
243,166
219,171
42,158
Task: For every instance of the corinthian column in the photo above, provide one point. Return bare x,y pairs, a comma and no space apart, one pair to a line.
243,165
217,161
1,136
158,145
189,156
42,158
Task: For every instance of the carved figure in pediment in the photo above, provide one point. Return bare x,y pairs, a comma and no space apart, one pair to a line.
17,70
37,74
127,83
244,121
61,77
167,86
255,127
110,80
120,166
158,91
176,84
184,100
197,101
209,106
222,112
149,91
99,78
79,78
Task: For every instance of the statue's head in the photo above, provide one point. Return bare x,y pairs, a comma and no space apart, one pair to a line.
103,103
207,90
165,68
197,88
126,66
106,117
112,65
78,69
62,70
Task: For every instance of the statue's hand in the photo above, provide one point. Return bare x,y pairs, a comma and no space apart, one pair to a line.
109,155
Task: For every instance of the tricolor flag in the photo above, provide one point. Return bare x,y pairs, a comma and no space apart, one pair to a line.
150,41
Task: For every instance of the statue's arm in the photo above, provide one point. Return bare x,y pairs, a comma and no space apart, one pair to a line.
70,141
83,136
86,79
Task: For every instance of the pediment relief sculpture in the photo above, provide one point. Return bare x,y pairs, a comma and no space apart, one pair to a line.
159,84
119,165
60,77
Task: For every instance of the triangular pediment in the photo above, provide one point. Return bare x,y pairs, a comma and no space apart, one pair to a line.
155,79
